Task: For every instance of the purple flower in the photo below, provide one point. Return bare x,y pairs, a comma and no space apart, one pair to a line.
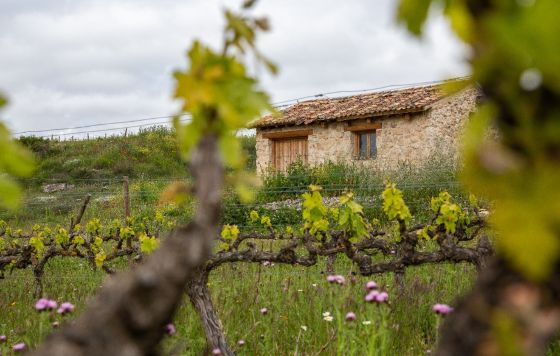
370,297
18,347
65,307
170,329
350,316
3,338
370,285
336,279
216,351
41,304
376,296
264,311
52,304
442,309
241,342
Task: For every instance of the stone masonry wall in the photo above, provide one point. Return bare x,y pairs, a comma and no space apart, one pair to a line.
412,138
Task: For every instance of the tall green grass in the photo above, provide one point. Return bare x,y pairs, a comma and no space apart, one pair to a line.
296,298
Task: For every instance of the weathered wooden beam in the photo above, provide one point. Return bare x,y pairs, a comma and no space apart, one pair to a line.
364,127
288,134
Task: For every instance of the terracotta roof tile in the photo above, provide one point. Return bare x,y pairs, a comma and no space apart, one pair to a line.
357,106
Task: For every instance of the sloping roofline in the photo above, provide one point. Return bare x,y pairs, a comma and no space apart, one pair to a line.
381,103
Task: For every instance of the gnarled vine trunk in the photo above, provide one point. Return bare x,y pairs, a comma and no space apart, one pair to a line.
199,294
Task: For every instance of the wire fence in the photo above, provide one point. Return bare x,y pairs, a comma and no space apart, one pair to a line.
54,201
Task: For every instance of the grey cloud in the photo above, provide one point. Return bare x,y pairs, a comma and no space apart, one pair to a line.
86,61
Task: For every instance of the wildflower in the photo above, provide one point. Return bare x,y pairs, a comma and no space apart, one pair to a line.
52,304
328,318
304,328
376,296
382,297
366,322
241,342
55,324
370,297
216,351
264,311
170,329
442,309
371,285
326,313
350,316
18,347
65,307
3,338
41,304
266,263
300,290
314,285
336,279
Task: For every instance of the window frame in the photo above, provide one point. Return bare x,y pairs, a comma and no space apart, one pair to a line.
357,152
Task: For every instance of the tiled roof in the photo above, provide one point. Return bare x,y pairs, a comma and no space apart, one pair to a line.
357,106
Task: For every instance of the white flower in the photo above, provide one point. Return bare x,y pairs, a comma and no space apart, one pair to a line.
328,318
325,314
300,290
314,284
366,322
304,328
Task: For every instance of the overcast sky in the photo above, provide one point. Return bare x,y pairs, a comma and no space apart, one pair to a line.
66,63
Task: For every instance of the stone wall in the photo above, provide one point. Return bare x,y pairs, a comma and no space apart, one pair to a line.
409,138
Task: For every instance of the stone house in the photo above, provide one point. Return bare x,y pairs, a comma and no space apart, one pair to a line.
381,129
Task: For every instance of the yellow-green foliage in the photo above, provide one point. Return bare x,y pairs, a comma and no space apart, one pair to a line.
314,211
229,234
148,244
394,205
15,161
126,232
221,96
520,171
351,217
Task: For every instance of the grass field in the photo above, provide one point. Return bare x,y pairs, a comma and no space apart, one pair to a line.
296,298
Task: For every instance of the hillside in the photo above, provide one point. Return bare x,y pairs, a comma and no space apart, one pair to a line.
151,153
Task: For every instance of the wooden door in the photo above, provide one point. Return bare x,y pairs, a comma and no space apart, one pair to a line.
286,151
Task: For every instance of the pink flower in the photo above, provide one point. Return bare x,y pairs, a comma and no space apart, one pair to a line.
52,304
65,307
370,297
41,304
264,311
376,296
350,316
442,309
382,297
170,329
18,347
241,342
216,351
370,285
336,279
3,338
